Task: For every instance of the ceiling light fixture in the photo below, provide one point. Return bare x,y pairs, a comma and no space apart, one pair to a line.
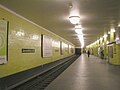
108,32
119,25
105,35
78,26
97,40
107,42
112,30
80,36
74,19
78,31
101,38
81,40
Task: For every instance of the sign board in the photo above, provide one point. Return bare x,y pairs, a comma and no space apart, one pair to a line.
46,46
56,45
3,41
28,50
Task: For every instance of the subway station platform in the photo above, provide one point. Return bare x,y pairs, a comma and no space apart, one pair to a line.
88,74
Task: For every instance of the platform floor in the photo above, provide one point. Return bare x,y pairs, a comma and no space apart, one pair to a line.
88,74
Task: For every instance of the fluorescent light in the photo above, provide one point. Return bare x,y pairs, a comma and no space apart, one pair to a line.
80,36
107,42
112,30
74,19
82,46
101,38
108,32
119,25
78,26
78,31
105,35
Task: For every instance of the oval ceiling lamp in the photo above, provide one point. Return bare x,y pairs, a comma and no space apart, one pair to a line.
74,19
78,26
79,31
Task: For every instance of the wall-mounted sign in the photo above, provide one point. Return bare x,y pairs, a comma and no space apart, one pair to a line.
66,48
46,46
28,50
56,46
3,41
61,48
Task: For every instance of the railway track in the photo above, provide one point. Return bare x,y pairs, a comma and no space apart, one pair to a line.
42,81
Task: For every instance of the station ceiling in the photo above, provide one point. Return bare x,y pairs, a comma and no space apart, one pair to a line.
96,16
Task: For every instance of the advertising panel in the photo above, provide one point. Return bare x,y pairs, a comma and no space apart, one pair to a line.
3,41
46,46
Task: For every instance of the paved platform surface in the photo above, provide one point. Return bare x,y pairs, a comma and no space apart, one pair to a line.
88,74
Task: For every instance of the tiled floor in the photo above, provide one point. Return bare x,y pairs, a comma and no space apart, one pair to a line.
88,74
